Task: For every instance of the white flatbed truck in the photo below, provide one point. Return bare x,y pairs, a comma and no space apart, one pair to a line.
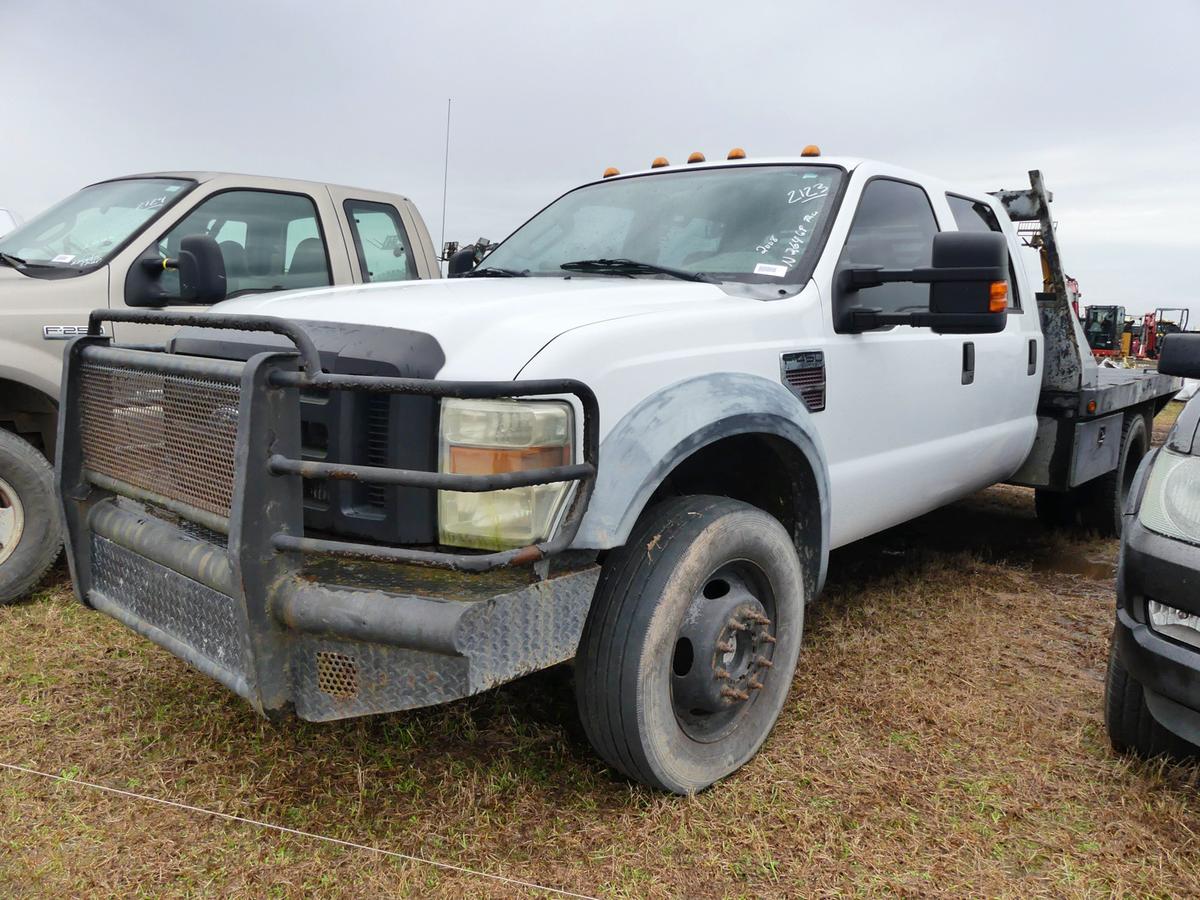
630,436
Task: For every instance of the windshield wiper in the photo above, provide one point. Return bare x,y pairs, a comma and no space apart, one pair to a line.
633,268
17,263
496,272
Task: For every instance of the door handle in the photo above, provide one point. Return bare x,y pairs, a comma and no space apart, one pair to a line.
968,362
1031,369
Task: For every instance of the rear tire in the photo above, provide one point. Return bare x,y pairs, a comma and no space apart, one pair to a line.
691,642
1131,727
1103,499
30,523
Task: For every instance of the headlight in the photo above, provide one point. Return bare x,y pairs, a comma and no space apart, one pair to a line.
1171,503
486,437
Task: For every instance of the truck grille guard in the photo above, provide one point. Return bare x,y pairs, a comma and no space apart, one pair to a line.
205,439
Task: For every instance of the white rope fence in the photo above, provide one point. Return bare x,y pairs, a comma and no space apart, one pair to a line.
306,834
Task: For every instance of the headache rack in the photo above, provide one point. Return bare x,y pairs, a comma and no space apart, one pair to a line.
205,439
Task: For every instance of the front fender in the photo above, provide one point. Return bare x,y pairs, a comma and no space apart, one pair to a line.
672,424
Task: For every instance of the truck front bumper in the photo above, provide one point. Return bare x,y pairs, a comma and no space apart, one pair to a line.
182,490
1159,568
330,649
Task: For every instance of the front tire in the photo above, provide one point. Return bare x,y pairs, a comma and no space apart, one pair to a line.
1131,727
691,643
30,525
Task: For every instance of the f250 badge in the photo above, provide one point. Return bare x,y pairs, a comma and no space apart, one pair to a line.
64,332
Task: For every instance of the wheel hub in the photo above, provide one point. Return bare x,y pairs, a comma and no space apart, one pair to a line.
12,520
723,652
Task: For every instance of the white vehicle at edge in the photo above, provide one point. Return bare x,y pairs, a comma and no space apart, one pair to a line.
667,396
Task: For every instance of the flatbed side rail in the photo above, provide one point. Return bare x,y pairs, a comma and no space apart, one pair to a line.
311,378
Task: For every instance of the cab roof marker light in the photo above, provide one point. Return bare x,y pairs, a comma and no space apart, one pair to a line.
736,153
611,171
659,162
811,150
696,157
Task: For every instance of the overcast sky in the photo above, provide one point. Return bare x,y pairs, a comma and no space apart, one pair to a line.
1101,96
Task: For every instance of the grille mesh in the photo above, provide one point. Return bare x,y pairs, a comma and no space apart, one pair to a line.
169,434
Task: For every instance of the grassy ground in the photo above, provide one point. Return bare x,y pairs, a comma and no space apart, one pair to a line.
944,735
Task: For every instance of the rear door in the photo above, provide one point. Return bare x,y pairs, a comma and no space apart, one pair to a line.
386,241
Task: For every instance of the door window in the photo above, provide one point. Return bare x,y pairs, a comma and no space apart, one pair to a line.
893,228
972,215
384,253
269,241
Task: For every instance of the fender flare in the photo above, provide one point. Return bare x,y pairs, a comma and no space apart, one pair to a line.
664,429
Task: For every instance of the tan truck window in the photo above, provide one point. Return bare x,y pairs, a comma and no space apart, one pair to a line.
384,253
269,241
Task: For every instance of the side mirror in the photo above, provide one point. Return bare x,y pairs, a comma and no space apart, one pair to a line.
968,291
201,270
1179,354
461,262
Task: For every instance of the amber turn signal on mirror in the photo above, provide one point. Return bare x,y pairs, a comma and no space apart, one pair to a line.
998,300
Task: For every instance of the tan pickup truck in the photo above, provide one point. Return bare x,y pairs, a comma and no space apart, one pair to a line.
105,246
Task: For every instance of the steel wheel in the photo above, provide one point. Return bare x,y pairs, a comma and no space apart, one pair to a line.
12,520
724,651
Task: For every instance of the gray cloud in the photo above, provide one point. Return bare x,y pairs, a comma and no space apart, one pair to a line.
546,95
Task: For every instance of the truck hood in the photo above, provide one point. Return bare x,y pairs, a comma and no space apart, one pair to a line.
487,328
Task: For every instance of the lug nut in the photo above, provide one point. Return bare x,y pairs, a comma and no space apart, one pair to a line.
725,646
769,638
733,694
754,684
721,674
738,626
763,663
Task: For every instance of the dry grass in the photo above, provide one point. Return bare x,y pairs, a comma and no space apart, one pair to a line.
944,735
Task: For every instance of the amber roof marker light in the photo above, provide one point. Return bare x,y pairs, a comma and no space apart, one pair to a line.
659,162
696,157
811,150
611,171
736,153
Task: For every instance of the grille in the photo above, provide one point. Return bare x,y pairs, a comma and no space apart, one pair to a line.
168,434
804,373
203,619
337,674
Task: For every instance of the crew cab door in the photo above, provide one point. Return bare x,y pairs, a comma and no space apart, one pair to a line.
912,420
386,239
273,236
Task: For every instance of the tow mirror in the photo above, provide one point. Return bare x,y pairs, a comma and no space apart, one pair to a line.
968,292
201,270
1180,355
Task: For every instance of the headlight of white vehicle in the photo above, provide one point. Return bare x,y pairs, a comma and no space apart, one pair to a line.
487,437
1171,503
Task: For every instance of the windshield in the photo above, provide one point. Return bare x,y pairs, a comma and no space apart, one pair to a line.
737,223
84,230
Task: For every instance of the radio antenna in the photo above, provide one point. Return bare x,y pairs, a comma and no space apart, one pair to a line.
445,175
